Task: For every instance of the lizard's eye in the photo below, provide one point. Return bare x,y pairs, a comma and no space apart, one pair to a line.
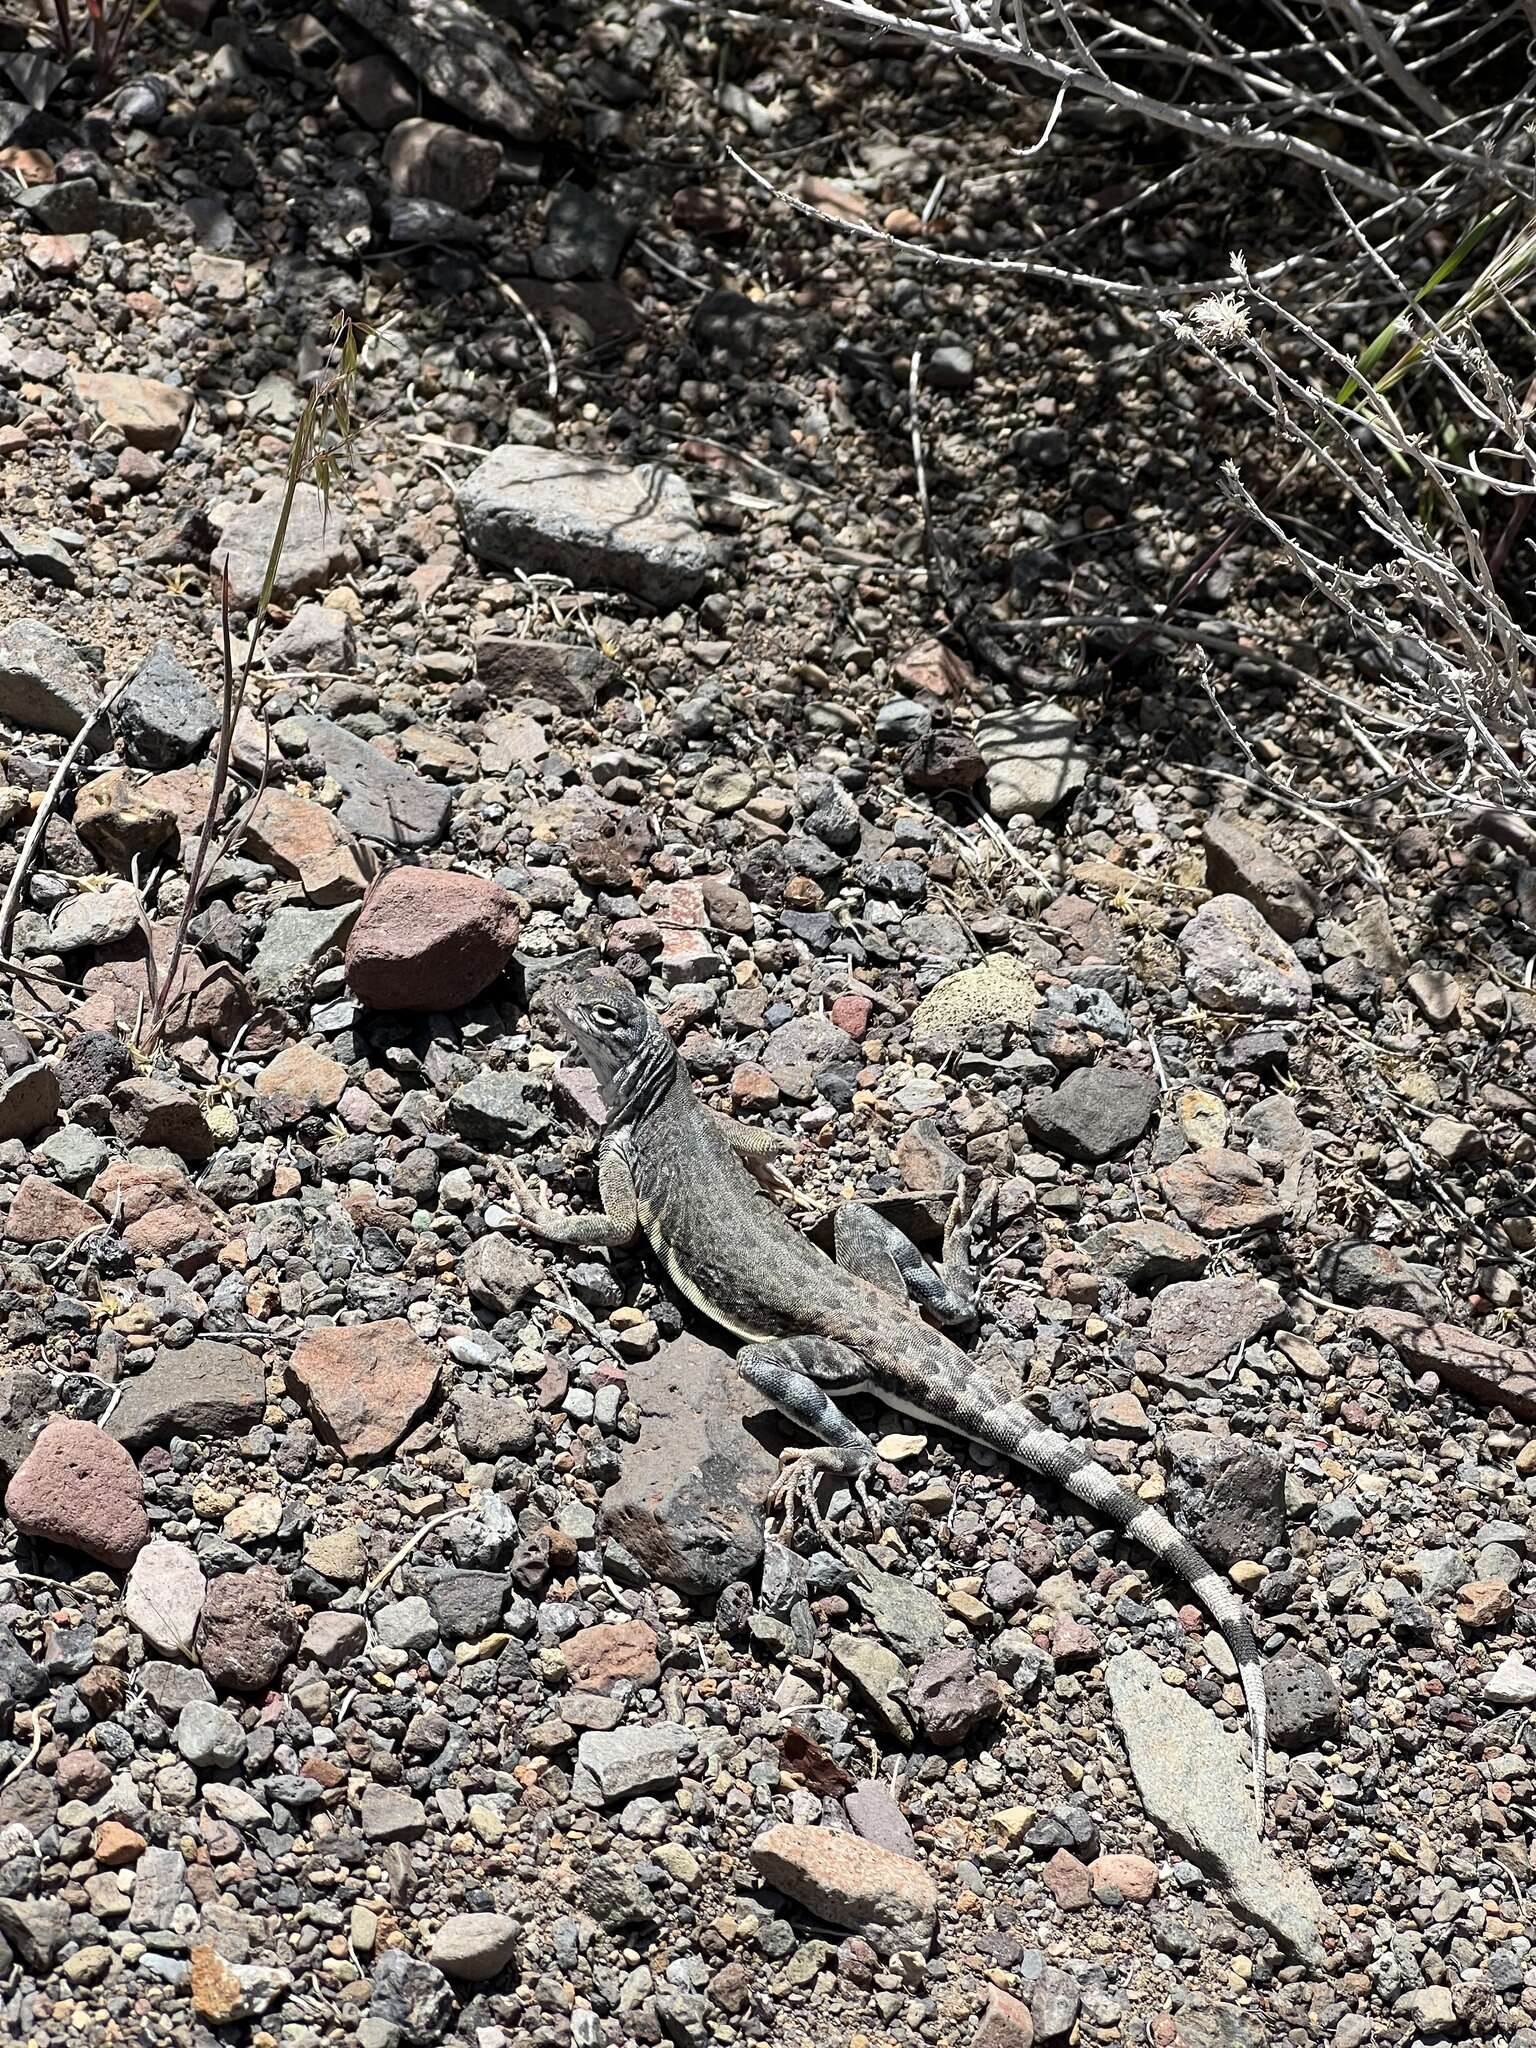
604,1018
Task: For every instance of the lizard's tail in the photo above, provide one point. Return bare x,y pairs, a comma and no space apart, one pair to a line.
1015,1432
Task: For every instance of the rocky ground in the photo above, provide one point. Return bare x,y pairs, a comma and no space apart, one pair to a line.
391,1649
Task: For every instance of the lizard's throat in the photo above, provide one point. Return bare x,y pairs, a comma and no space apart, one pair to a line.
633,1090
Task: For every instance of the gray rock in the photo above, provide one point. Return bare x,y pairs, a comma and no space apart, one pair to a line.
36,1929
1054,1999
489,1426
210,1738
293,940
1227,1495
1194,1782
316,637
413,1998
1235,964
1198,1324
568,677
810,1041
876,1817
604,526
497,1112
1305,1704
1096,1112
625,1763
317,549
29,1101
44,684
467,1605
1511,1684
951,1698
27,1400
407,1624
388,1814
1146,1254
582,236
912,1620
150,1111
1369,1275
164,715
462,57
499,1274
688,1503
204,1390
164,1596
474,1947
96,917
170,1687
333,1638
878,1678
1238,863
1440,1572
1035,760
385,800
22,1681
159,1886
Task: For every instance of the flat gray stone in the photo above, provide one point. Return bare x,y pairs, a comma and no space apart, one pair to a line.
623,1763
205,1389
1235,964
294,940
210,1737
474,1947
385,800
45,686
1194,1782
604,526
165,716
164,1596
1035,760
317,548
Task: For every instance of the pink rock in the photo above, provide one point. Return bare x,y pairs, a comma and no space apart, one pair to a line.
1006,2023
599,1658
430,939
364,1383
79,1488
851,1014
1073,1642
42,1213
1133,1877
1067,1881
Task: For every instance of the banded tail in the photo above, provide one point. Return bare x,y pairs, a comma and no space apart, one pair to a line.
1014,1432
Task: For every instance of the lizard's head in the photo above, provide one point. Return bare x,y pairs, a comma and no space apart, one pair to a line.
619,1036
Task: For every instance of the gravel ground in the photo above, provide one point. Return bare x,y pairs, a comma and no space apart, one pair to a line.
391,1645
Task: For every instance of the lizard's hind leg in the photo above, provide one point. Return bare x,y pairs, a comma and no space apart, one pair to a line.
870,1245
799,1375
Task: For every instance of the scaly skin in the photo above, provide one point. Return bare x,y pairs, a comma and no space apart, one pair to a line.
672,1170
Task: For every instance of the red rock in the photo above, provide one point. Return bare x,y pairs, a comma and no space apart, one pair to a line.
303,1075
79,1488
1483,1602
291,833
364,1384
430,939
147,413
597,1659
1067,1881
81,1774
1005,2024
932,669
753,1087
42,1212
116,1847
1073,1642
1133,1877
852,1014
248,1629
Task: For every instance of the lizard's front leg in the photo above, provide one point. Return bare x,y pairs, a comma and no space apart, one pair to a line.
870,1245
800,1375
619,1223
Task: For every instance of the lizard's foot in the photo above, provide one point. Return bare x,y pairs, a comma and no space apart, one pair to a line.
793,1495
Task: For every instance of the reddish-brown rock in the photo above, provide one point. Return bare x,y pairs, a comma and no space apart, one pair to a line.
42,1212
1067,1881
364,1384
1005,2024
248,1629
1134,1878
430,939
304,1076
79,1488
599,1658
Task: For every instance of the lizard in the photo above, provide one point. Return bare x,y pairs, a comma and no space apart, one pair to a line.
814,1330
